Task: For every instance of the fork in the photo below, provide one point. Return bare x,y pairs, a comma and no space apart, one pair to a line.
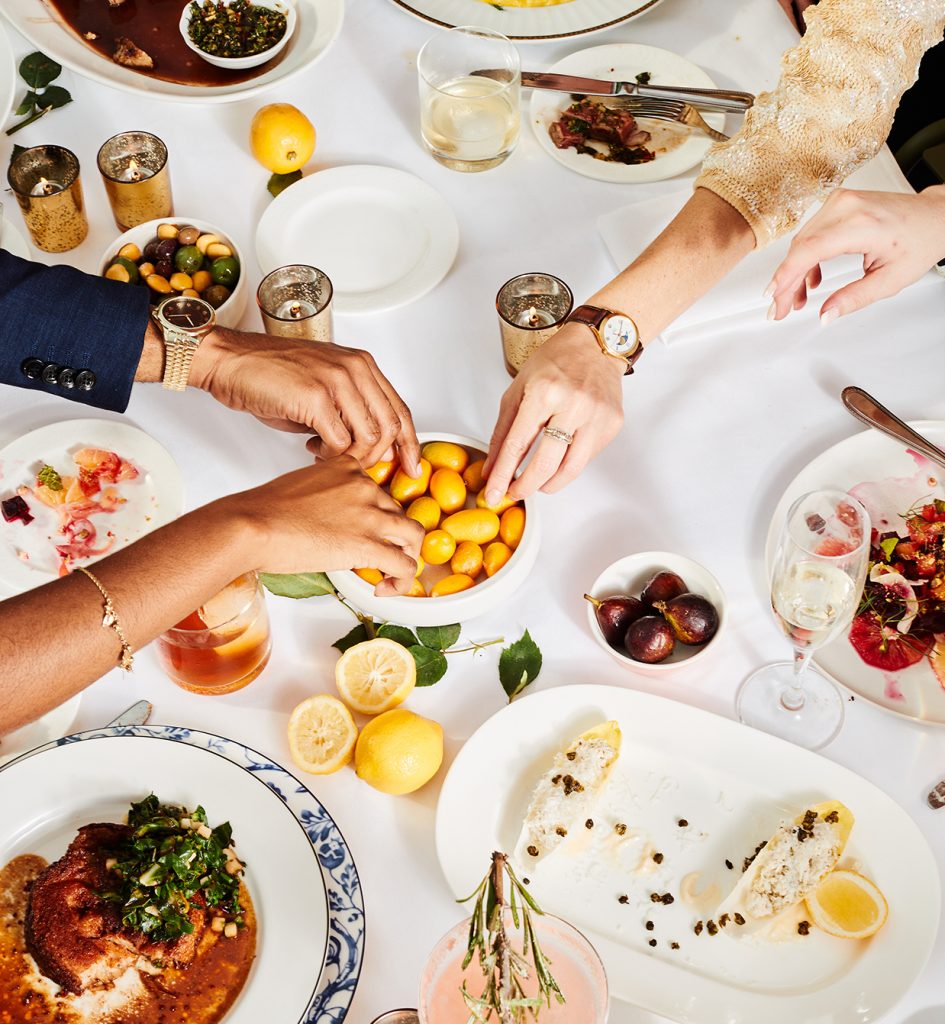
670,110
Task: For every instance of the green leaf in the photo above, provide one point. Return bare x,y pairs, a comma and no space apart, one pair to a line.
38,70
55,96
278,183
17,149
438,638
28,105
357,636
399,634
297,585
431,665
889,546
519,665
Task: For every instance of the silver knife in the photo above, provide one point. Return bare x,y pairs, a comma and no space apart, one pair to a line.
867,410
723,100
137,714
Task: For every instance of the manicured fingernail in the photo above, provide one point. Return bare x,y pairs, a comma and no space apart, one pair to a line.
493,497
828,316
769,291
772,310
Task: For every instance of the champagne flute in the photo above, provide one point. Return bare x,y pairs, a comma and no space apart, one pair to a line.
816,580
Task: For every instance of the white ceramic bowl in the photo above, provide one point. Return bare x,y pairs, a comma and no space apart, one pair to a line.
242,63
630,575
231,312
487,594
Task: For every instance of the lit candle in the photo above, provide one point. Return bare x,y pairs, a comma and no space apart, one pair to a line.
45,181
44,187
295,302
134,170
534,317
531,308
296,309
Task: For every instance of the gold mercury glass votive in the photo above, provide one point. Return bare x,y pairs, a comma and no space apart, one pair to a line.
46,183
531,308
134,169
295,302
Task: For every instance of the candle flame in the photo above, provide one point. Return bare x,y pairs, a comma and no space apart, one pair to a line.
45,186
133,171
295,311
533,317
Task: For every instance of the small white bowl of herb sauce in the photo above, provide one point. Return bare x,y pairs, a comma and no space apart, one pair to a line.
237,34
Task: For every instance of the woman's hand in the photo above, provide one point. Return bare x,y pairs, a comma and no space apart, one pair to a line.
899,236
329,516
570,384
794,9
302,386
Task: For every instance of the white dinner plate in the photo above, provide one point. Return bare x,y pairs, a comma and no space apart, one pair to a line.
383,236
731,786
530,24
51,726
27,553
677,147
872,457
8,77
11,238
319,24
46,797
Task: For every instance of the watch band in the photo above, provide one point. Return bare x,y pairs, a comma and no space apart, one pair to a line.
594,317
195,319
179,349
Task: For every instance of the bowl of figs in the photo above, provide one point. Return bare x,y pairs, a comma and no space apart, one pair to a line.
655,610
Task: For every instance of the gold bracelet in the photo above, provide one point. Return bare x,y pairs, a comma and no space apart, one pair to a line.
110,620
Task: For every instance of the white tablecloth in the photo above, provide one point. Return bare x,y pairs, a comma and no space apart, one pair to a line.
714,433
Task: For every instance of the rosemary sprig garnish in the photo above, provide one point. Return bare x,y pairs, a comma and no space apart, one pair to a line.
504,968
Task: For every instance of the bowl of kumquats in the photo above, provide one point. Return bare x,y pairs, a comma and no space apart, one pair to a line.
474,556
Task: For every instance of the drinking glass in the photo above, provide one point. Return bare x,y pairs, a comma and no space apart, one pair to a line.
469,121
223,645
574,963
816,581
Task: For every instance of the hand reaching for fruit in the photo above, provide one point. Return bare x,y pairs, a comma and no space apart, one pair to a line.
330,516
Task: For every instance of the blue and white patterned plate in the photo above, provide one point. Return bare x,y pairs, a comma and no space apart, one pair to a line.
301,874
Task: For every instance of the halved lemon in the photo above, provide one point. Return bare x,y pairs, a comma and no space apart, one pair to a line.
375,676
322,735
848,905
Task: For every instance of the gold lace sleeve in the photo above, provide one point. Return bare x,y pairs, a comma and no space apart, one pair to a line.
831,111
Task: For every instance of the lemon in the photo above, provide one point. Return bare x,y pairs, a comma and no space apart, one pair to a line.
398,752
322,735
375,676
848,905
282,138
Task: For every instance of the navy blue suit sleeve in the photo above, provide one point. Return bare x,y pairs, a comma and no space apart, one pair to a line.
57,319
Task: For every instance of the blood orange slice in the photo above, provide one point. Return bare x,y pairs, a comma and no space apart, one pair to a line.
885,647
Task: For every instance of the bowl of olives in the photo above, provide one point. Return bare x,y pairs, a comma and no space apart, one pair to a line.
655,610
181,257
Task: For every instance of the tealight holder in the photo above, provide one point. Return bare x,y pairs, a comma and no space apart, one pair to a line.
531,308
295,302
48,189
134,170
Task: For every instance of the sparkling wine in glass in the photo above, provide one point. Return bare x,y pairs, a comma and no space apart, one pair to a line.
816,580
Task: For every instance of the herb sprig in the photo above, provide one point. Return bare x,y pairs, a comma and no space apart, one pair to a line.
39,71
165,864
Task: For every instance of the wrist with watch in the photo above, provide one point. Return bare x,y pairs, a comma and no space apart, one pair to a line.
184,321
616,333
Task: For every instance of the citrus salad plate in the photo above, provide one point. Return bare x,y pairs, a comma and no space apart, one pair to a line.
723,875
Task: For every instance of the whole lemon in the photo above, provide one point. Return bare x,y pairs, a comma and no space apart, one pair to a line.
398,752
282,138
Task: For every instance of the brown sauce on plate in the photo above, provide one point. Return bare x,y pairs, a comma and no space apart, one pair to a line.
153,26
201,994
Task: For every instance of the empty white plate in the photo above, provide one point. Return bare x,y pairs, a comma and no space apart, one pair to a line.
383,236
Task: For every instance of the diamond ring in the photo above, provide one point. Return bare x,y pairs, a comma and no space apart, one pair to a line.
559,435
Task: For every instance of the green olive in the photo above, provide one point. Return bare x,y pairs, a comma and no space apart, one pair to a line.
188,259
225,270
216,295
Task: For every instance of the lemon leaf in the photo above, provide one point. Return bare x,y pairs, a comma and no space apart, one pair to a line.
431,665
439,638
519,665
399,634
297,584
357,635
278,183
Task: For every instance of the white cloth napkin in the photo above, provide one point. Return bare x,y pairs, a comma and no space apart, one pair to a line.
628,230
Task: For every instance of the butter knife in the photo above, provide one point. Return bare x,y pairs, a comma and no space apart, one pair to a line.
137,714
867,410
722,100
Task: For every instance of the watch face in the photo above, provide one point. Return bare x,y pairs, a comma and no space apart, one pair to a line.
187,313
620,334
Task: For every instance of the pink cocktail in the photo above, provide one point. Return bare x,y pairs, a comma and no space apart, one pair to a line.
574,963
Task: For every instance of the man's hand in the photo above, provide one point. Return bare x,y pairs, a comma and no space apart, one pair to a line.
900,236
568,384
303,386
330,516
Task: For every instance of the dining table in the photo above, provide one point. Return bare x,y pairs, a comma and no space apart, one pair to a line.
714,431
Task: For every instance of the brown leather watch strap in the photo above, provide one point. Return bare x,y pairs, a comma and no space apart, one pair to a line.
593,317
590,316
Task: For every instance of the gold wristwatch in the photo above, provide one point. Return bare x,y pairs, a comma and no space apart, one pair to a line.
184,322
615,333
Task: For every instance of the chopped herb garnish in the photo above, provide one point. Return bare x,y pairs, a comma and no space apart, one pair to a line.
48,477
237,29
644,77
